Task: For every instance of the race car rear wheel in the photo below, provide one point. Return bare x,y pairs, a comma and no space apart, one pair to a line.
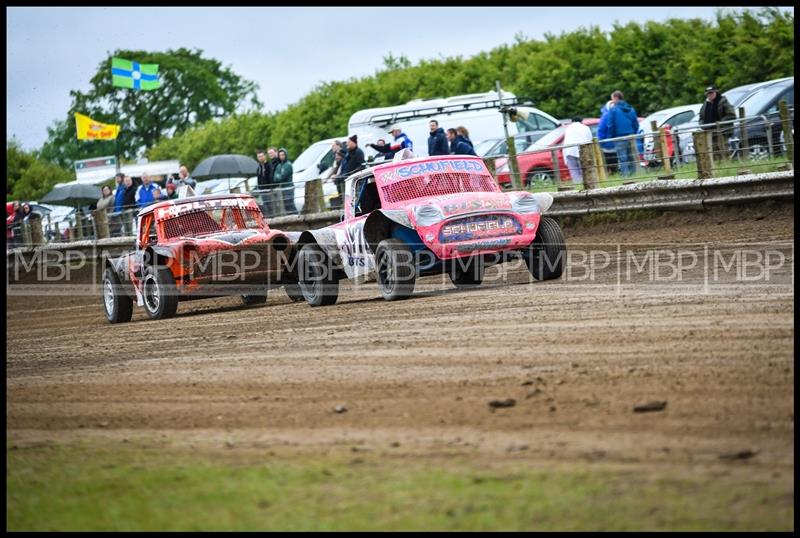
317,282
467,273
159,292
397,274
294,292
254,299
118,305
546,256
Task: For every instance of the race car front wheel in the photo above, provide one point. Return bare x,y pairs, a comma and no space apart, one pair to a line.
159,292
317,282
547,254
467,273
397,274
118,305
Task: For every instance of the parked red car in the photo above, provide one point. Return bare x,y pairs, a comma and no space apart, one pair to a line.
536,163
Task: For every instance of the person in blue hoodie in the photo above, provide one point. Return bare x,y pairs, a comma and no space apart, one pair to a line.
623,121
609,151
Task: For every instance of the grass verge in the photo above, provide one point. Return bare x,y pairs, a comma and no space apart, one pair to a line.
124,487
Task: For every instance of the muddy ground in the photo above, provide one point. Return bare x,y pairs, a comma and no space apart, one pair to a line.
416,377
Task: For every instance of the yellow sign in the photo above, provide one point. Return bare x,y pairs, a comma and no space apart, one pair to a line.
88,129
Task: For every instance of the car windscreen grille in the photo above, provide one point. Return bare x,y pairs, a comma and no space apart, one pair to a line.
437,185
208,222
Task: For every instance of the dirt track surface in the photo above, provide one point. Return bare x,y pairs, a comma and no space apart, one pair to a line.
575,356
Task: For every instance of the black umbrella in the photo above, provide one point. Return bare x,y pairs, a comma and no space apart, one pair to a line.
73,194
220,166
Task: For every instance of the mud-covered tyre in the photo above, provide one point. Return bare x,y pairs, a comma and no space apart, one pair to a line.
394,265
254,299
118,305
294,292
469,274
547,255
159,292
317,283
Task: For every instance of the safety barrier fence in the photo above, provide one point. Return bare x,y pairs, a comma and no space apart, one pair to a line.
748,144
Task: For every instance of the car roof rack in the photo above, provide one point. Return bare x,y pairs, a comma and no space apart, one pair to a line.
395,117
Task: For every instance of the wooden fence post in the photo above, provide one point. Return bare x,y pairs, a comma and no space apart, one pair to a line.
101,224
37,237
656,142
744,143
313,196
25,228
78,226
788,136
702,151
599,160
588,167
513,165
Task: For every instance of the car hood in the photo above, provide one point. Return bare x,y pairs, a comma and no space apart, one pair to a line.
228,239
465,203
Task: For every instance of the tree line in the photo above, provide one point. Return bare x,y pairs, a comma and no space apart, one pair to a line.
656,65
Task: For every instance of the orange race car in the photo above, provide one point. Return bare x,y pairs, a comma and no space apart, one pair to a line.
199,247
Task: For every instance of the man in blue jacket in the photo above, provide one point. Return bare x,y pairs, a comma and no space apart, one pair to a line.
144,194
437,141
623,121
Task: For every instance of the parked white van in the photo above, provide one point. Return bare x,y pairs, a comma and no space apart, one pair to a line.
306,168
478,112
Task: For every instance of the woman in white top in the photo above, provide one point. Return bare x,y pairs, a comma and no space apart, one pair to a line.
575,134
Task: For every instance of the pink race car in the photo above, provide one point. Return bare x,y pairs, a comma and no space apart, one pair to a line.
424,216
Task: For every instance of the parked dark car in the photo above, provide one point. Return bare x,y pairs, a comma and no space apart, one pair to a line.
741,96
764,130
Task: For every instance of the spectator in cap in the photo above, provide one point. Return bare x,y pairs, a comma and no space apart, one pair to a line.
401,141
355,157
717,108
